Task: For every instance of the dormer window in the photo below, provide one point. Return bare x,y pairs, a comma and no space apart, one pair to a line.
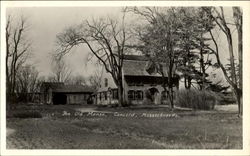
106,82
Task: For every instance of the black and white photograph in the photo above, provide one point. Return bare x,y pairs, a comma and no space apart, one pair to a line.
144,77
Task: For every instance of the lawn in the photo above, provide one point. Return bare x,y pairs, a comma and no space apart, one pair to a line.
64,127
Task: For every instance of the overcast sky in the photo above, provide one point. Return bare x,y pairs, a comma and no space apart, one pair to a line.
46,22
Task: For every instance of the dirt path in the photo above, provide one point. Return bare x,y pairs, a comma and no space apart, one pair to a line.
227,108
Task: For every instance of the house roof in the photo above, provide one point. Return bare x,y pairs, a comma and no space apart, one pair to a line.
137,68
61,87
73,89
139,65
52,84
135,57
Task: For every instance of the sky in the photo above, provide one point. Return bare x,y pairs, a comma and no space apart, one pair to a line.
46,22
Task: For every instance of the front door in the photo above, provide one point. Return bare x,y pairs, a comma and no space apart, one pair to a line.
153,95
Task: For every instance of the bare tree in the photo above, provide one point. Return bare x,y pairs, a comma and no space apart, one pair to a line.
78,80
95,80
106,40
27,82
61,71
237,14
235,81
17,50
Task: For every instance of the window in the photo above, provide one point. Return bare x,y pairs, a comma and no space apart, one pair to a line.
164,95
115,93
135,95
139,95
85,96
131,95
100,96
106,82
105,95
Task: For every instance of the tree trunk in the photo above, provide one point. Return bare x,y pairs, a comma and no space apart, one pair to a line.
171,98
239,91
120,94
238,95
185,82
203,70
170,88
230,47
187,79
240,57
239,28
237,13
188,82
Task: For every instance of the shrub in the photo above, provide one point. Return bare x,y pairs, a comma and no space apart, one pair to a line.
196,99
27,115
227,98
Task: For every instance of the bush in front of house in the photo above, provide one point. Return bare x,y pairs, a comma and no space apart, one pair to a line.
197,99
227,98
31,114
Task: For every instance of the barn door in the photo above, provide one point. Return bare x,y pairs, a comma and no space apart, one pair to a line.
59,99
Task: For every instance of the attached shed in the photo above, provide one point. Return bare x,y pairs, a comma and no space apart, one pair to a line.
59,93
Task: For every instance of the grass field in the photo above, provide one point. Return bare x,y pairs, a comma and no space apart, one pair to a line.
73,127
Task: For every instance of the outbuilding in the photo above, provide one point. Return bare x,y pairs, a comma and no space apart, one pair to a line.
58,93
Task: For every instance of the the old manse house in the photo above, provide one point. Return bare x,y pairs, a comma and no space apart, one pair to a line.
141,82
59,93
